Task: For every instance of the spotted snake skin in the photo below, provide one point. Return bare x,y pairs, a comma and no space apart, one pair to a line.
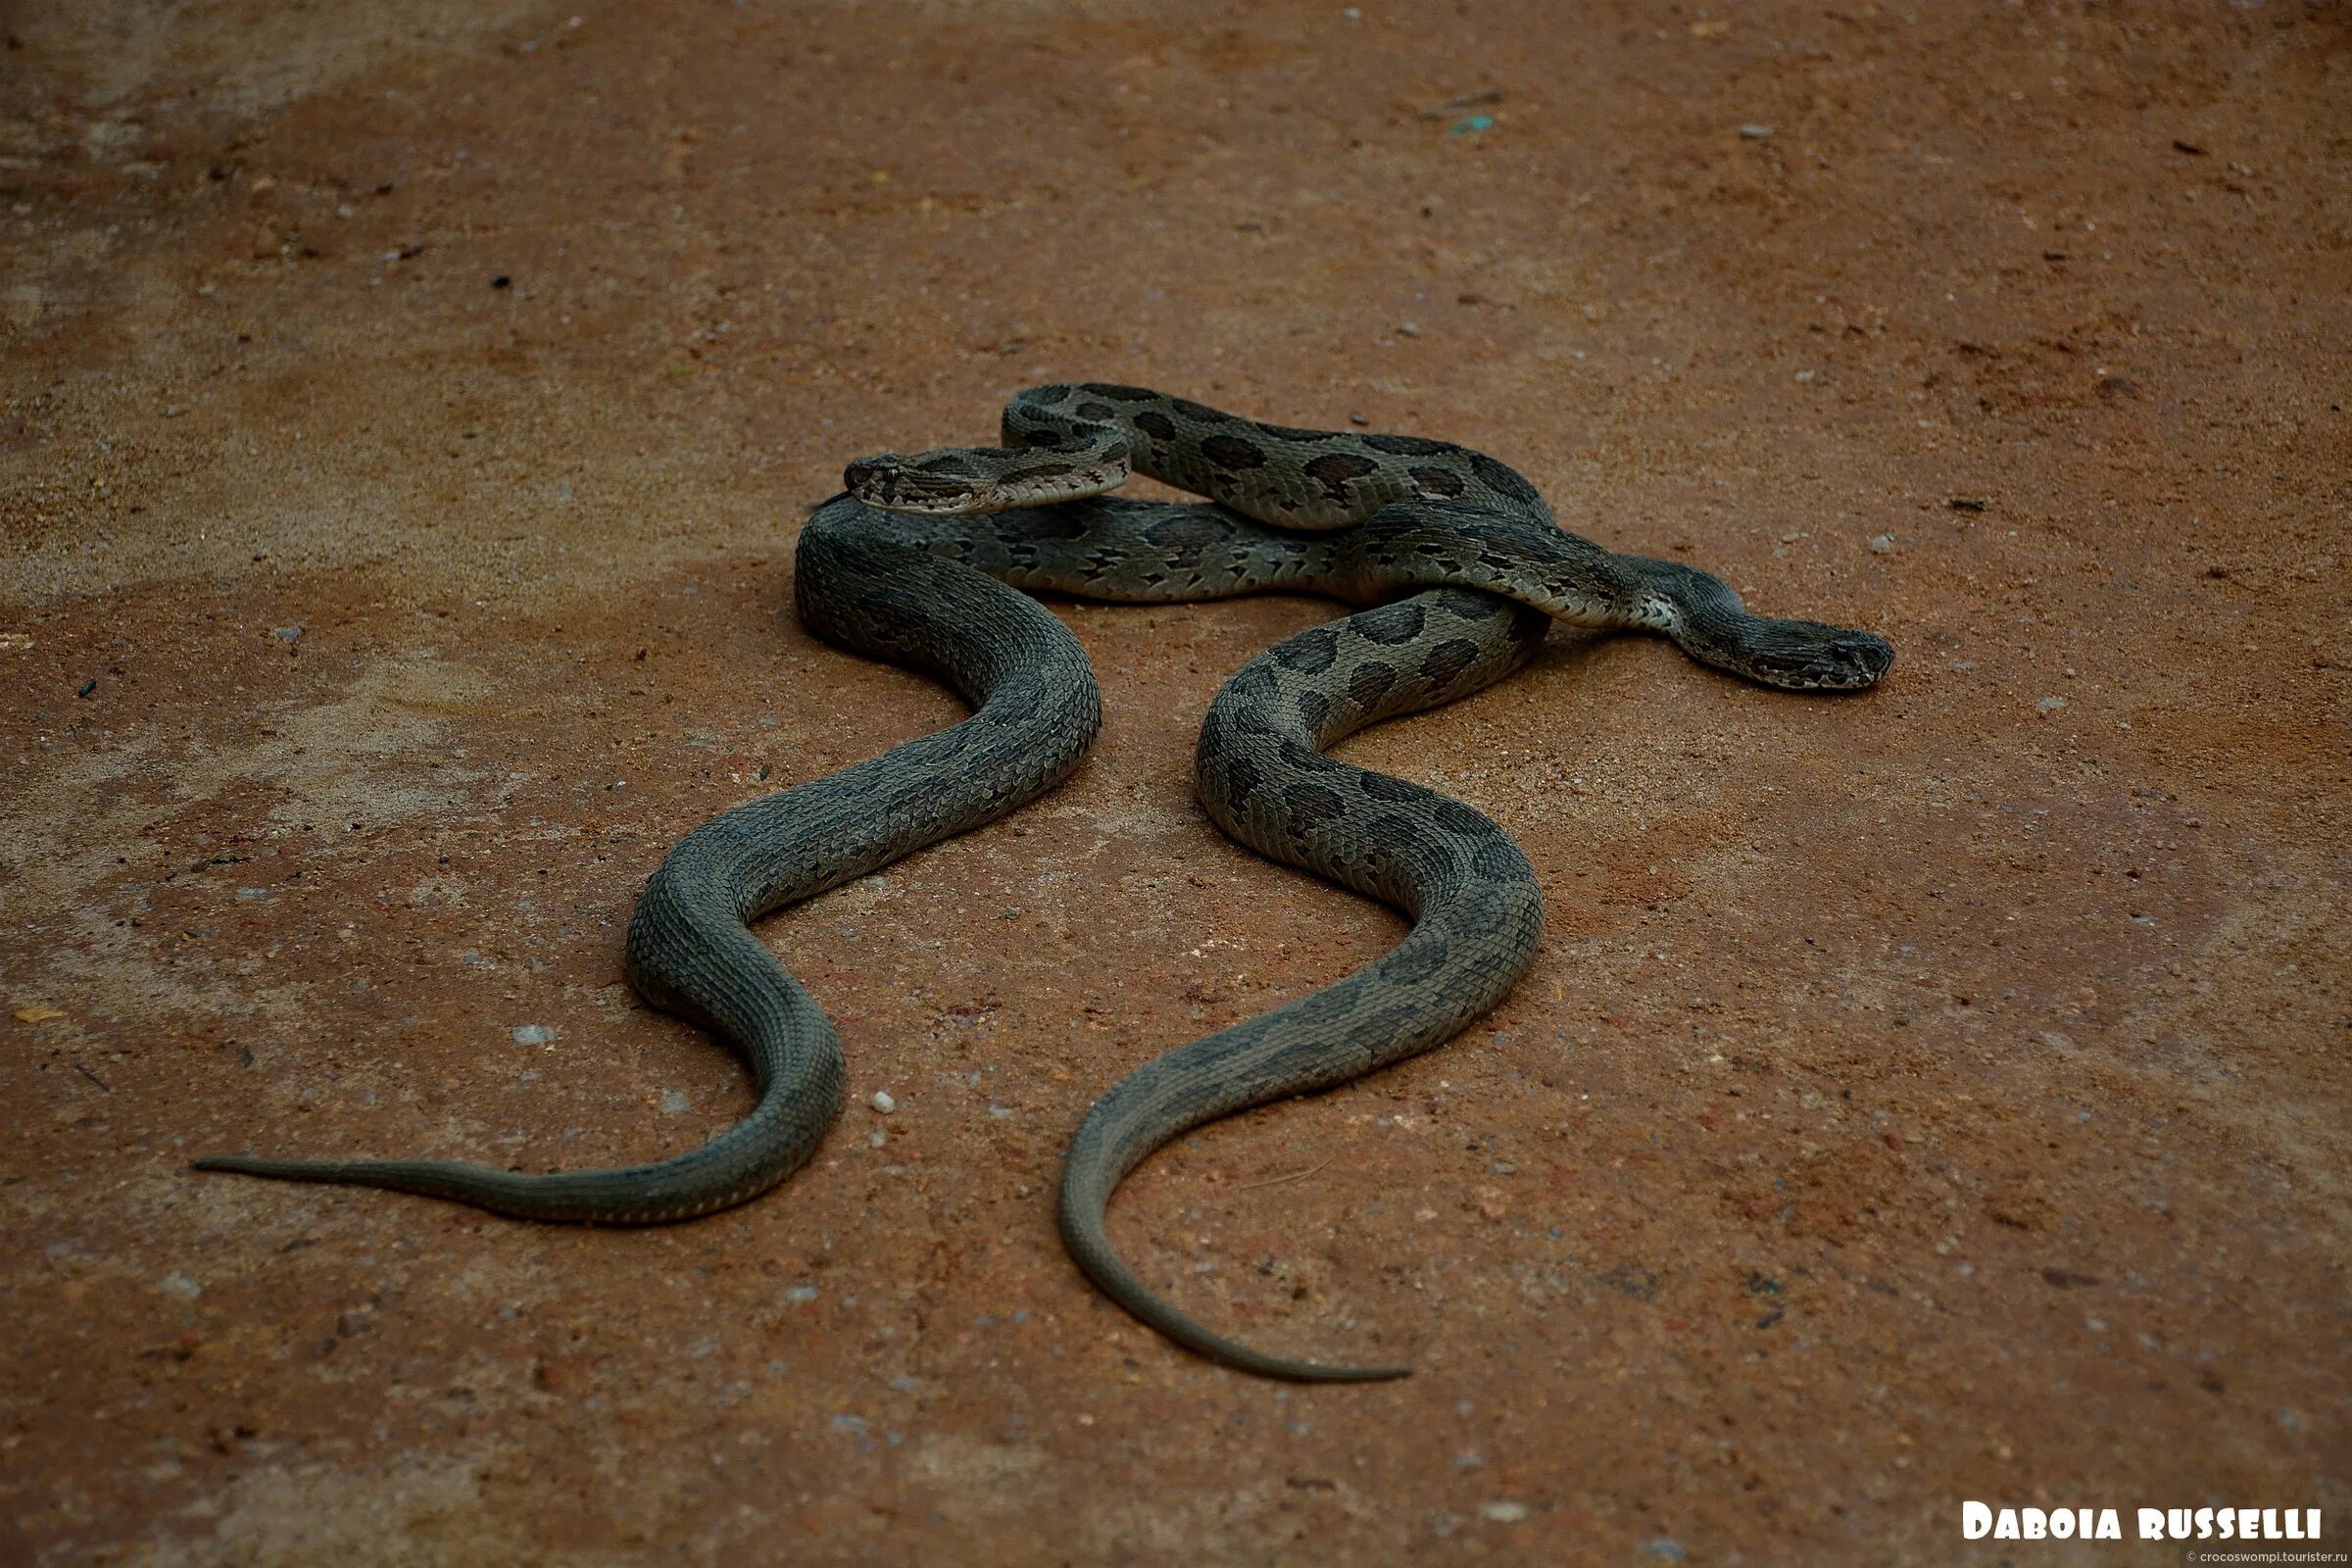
921,562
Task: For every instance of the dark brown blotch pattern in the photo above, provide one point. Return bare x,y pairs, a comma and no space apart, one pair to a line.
1503,480
1307,759
1444,663
1392,623
1233,454
1242,778
1333,472
1311,651
1369,684
1189,531
1406,446
1310,805
1455,817
1381,787
1414,962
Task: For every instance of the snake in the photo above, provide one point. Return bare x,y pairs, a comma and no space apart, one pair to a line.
929,560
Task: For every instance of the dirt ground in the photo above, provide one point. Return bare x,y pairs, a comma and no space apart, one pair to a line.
1921,1098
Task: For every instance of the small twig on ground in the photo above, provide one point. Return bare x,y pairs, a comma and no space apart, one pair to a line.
1276,1181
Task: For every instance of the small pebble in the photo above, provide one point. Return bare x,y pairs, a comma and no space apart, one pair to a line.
286,633
675,1101
1665,1549
801,1292
883,1103
1504,1512
1883,544
2048,706
1755,133
1410,328
533,1034
180,1285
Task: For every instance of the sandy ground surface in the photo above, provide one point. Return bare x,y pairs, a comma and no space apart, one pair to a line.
1928,1097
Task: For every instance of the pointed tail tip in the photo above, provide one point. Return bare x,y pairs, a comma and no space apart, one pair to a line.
257,1165
1358,1374
1240,1358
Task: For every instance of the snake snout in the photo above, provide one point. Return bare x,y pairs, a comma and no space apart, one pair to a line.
1862,658
873,480
1851,663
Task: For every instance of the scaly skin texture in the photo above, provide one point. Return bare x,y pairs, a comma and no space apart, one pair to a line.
920,564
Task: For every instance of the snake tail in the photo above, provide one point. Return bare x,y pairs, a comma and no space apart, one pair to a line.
1476,908
1036,710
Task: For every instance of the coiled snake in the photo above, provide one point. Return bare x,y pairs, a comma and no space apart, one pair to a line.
921,562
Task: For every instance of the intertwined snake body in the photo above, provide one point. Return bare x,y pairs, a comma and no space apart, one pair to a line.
921,562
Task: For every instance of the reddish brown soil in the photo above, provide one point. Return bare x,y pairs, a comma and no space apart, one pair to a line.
1928,1097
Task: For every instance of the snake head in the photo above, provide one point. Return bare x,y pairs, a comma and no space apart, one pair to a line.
929,482
1805,655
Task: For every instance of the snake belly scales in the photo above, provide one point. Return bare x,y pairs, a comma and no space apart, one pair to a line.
921,562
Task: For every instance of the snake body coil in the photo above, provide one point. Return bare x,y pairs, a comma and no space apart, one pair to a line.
919,563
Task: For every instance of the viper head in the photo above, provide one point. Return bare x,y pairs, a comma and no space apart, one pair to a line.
926,483
1805,655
